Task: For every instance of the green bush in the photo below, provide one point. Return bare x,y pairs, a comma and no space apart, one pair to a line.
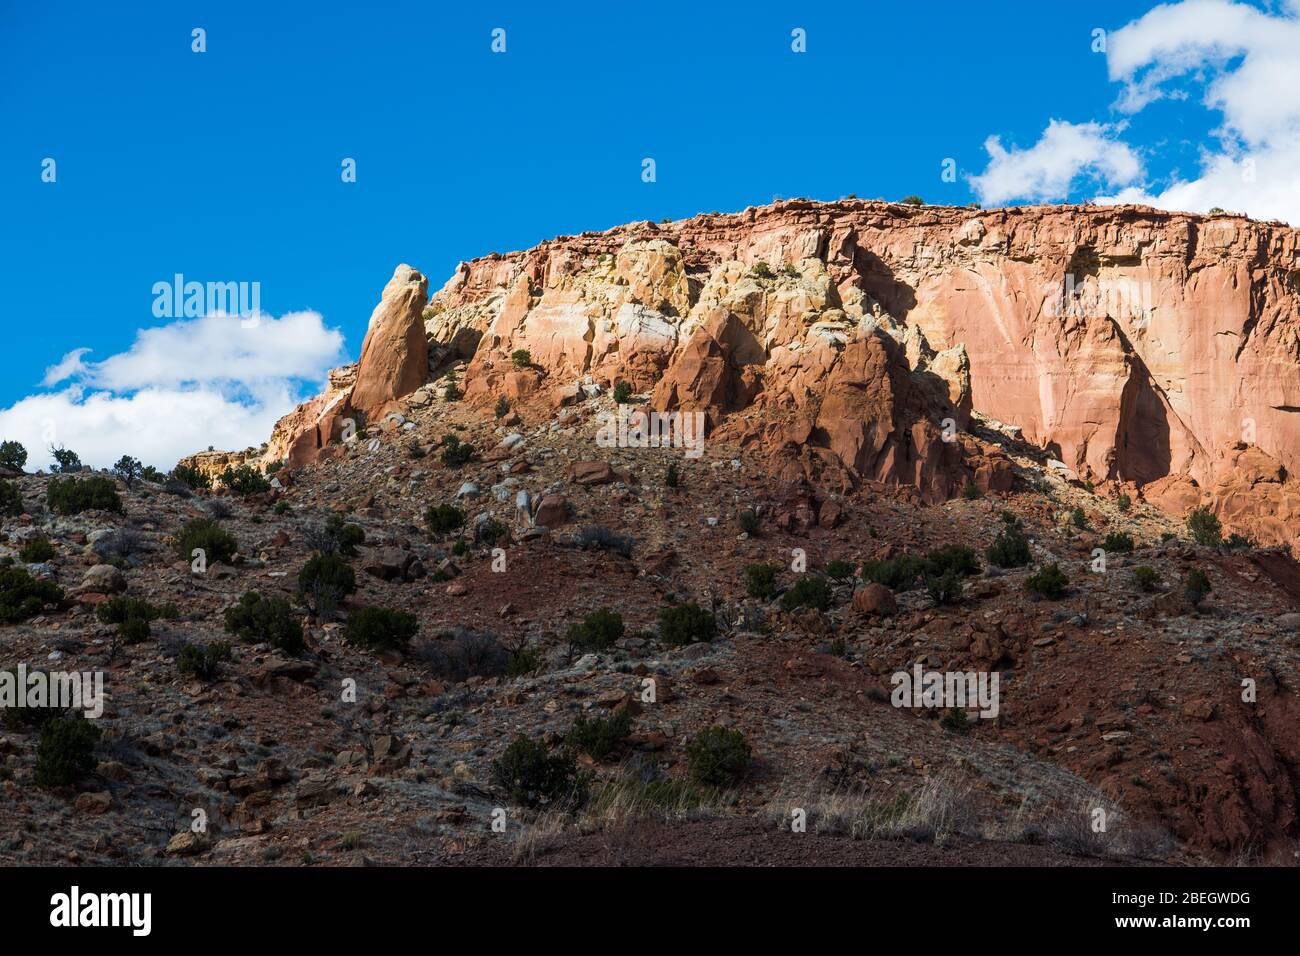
531,775
811,590
1237,542
760,580
672,477
35,551
203,660
70,496
66,461
945,588
970,491
686,624
66,751
912,200
1146,578
1123,503
134,630
840,570
1010,549
13,455
11,499
955,721
324,581
267,620
761,270
622,393
953,557
897,574
502,407
1204,527
522,358
1078,518
245,480
489,532
22,596
215,542
443,519
523,661
1196,586
717,757
121,608
380,629
191,477
336,536
597,632
456,452
749,522
600,737
1117,542
1049,581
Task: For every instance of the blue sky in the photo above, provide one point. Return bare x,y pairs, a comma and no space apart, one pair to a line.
225,165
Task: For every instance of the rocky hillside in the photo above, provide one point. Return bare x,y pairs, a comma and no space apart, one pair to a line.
1154,352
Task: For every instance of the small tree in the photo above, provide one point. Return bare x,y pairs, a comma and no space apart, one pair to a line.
522,358
1049,581
13,455
718,757
1204,527
502,408
1196,586
912,201
66,460
598,631
128,469
622,393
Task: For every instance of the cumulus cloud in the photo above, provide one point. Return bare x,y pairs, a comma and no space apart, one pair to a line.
1048,169
1233,59
215,380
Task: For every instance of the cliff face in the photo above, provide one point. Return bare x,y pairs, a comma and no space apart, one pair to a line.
1130,343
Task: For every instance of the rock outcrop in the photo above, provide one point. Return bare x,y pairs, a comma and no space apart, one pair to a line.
1134,345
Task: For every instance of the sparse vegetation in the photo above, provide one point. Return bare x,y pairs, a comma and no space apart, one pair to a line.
672,477
718,757
22,596
598,536
334,535
533,776
203,660
840,570
1204,527
66,751
1196,587
1117,542
191,477
244,481
269,620
810,590
71,496
749,522
1146,577
11,499
128,469
1010,549
455,452
66,461
502,407
1049,581
897,574
467,654
760,580
597,631
443,519
686,624
36,551
324,581
912,200
522,358
379,628
206,535
945,588
1123,503
600,737
622,393
761,270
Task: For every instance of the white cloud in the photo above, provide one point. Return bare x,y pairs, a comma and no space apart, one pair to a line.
1245,62
179,388
1047,170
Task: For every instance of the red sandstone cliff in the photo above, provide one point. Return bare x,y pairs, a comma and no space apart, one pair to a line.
1135,345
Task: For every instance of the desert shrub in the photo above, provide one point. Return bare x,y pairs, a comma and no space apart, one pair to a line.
897,574
531,775
121,608
522,358
761,270
1146,577
522,661
489,532
955,721
245,480
36,550
601,537
206,535
380,628
460,549
672,477
465,654
22,596
191,477
1123,503
1117,542
717,757
1049,581
70,496
281,508
945,588
1196,586
443,519
456,452
912,200
597,631
134,630
970,491
840,570
1078,518
600,737
152,475
811,590
686,624
128,469
953,557
269,620
335,536
66,751
66,461
1204,527
119,544
324,581
749,522
11,499
502,407
760,580
203,660
1010,549
622,393
17,718
13,455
